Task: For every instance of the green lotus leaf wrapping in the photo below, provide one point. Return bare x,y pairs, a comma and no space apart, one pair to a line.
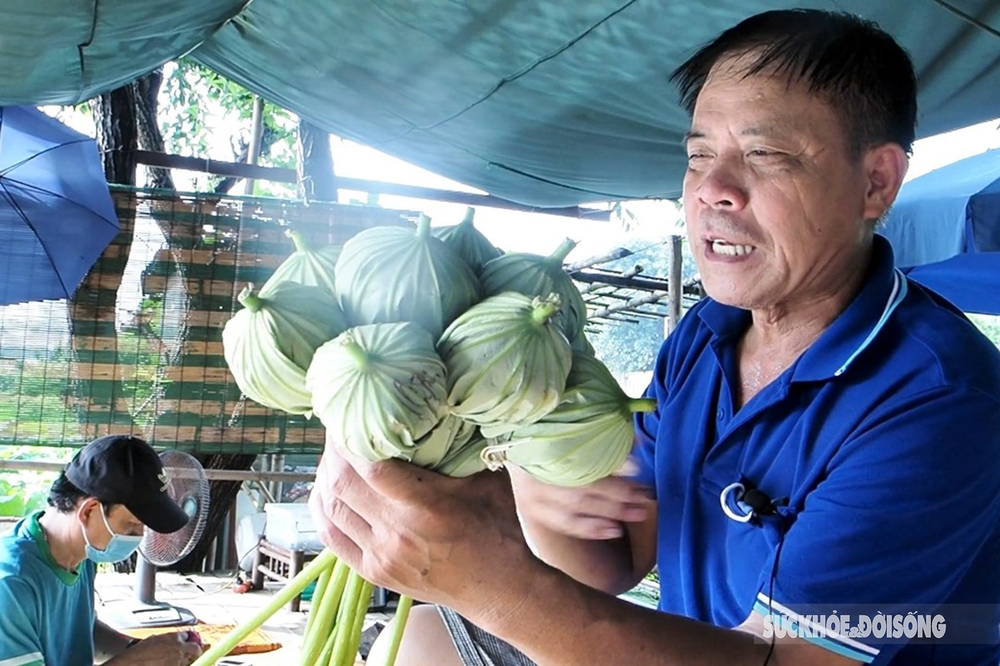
586,438
314,267
270,343
380,389
535,275
468,242
467,459
451,434
507,362
396,274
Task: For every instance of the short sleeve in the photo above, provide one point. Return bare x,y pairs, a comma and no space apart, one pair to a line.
20,642
647,424
907,508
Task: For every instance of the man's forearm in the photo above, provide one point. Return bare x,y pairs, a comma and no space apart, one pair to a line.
606,565
608,630
108,642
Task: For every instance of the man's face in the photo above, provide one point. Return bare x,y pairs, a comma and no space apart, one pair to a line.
775,207
119,519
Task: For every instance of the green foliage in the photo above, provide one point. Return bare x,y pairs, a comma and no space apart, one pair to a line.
989,325
24,492
32,399
201,112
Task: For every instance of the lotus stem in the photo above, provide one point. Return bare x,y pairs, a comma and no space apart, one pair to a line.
326,655
300,243
641,405
470,214
561,252
327,608
249,299
398,625
357,628
543,312
324,580
423,226
294,588
345,618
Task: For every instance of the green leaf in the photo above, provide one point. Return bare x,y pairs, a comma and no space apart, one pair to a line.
11,505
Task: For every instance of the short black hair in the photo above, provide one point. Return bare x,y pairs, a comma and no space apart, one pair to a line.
64,496
864,74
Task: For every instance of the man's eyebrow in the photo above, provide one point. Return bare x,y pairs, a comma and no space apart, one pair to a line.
693,134
769,129
775,128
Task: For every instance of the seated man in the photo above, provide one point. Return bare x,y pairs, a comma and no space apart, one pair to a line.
100,503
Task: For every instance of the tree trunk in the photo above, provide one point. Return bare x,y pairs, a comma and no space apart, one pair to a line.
317,181
222,498
117,135
147,90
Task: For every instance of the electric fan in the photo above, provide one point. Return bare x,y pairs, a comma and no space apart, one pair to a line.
188,486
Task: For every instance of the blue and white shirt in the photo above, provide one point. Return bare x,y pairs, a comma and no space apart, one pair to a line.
47,613
882,442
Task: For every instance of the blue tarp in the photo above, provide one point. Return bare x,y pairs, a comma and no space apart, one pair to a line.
544,102
945,227
970,281
948,211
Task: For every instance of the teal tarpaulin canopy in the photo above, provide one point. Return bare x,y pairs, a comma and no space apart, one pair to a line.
545,102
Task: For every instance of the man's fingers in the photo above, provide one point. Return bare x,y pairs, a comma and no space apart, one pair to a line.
344,483
341,545
600,507
620,489
392,479
351,524
593,528
623,505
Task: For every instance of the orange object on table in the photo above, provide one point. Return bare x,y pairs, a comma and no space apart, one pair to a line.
257,642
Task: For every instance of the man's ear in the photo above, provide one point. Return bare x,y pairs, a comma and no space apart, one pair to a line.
885,167
86,506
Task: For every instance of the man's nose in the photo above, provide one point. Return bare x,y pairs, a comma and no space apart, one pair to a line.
720,187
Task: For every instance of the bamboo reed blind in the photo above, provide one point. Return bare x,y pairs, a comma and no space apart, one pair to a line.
138,350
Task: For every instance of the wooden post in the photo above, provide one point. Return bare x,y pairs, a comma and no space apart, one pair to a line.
294,567
256,134
675,289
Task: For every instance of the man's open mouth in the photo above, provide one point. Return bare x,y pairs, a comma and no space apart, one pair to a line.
730,249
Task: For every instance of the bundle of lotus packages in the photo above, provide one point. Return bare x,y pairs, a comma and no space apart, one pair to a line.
431,346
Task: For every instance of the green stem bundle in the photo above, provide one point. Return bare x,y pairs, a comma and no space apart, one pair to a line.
294,588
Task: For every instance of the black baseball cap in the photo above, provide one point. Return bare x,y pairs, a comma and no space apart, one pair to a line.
125,470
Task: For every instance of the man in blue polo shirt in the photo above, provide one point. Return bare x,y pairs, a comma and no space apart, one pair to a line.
100,504
827,437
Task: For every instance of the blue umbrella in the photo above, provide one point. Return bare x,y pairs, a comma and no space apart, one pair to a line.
56,213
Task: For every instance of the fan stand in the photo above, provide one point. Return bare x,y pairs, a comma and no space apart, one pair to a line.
145,610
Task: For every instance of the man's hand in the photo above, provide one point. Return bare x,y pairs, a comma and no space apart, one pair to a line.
602,534
592,512
173,649
431,537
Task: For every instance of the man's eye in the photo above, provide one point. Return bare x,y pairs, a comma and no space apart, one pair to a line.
761,152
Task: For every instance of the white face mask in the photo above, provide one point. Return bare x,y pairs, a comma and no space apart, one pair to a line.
120,547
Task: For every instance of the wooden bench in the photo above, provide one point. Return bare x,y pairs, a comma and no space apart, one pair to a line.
279,564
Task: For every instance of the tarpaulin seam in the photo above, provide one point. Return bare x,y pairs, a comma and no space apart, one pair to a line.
545,58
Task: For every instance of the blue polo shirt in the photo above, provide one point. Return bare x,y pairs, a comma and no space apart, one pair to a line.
881,447
46,612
